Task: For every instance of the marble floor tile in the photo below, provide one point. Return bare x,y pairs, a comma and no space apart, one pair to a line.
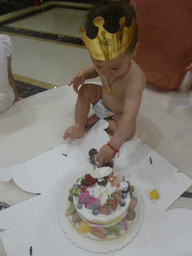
59,21
47,61
47,48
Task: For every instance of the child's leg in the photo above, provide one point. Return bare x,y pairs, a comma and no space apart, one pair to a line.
113,124
92,120
89,93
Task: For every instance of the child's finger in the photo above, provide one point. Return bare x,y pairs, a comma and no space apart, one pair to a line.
82,81
189,67
70,82
99,158
75,88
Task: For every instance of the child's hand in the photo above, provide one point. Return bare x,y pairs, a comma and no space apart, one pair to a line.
105,155
76,81
189,68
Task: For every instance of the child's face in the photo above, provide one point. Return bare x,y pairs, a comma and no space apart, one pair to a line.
113,68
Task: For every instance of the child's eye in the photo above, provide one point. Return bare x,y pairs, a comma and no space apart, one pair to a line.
114,68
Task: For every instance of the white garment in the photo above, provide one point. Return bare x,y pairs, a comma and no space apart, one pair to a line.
101,111
7,95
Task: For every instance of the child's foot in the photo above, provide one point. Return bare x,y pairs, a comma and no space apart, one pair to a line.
92,120
73,132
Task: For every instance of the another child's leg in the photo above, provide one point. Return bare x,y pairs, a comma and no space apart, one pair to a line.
89,93
113,124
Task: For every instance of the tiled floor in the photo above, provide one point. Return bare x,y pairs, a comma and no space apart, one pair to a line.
26,89
47,47
59,21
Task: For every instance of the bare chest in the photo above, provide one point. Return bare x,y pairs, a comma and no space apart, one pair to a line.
113,94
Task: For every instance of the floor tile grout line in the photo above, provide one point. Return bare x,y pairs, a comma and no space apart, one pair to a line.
27,87
34,82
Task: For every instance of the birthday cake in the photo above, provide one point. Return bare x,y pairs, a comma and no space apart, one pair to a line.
101,205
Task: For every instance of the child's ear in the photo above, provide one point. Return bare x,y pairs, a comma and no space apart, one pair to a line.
135,50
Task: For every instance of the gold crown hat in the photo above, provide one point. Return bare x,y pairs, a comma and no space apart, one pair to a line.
107,46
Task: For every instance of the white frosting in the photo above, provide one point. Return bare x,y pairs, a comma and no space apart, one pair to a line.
101,192
101,172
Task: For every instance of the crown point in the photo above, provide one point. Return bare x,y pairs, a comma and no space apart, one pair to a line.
82,30
122,21
99,21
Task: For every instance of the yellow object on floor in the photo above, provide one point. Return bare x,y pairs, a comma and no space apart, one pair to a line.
154,194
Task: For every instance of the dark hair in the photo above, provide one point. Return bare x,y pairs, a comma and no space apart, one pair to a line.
112,12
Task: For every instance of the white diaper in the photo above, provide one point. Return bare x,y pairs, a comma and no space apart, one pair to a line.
101,111
6,99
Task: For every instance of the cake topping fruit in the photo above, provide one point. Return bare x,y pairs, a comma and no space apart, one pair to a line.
75,191
111,204
70,197
122,202
116,195
75,218
71,209
124,187
79,206
124,195
102,181
92,156
122,225
130,216
84,196
84,227
88,180
95,211
133,203
98,232
132,189
92,203
93,152
104,210
113,230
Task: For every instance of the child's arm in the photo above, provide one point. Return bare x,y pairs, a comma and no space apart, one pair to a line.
86,73
11,79
127,123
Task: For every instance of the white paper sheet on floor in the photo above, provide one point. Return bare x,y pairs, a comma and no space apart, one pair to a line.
35,222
